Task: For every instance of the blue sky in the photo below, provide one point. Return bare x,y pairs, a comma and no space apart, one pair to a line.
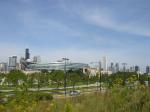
82,30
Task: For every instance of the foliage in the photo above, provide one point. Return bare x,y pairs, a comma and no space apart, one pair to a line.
57,76
44,96
16,76
75,76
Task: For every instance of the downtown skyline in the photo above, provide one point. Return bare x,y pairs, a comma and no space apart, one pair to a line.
82,31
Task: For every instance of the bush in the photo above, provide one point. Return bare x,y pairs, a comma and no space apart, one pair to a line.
44,96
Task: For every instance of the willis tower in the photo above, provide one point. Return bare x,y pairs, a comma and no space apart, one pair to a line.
27,54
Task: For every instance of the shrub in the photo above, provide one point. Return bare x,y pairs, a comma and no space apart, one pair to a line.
44,96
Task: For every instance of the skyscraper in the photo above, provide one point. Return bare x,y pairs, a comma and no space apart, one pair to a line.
12,62
27,54
136,69
112,68
117,67
104,64
147,69
124,67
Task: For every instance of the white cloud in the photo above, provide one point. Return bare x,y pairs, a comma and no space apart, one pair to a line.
106,19
103,16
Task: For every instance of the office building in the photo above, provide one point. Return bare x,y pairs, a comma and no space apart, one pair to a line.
3,67
111,68
104,64
147,69
27,54
124,67
137,68
117,67
23,63
132,69
12,62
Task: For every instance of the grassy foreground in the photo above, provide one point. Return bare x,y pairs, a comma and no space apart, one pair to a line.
113,100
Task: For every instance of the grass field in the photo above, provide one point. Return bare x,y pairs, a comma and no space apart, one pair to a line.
113,100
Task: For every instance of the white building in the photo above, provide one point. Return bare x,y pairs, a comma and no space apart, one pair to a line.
104,64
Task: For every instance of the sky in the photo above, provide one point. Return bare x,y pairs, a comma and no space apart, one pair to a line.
81,30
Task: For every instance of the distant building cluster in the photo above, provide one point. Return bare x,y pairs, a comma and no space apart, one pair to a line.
22,65
30,65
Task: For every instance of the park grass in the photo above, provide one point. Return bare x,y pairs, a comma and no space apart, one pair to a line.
113,100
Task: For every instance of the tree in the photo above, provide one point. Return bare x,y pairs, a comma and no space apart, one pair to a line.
41,79
15,77
86,77
31,79
57,76
75,77
2,77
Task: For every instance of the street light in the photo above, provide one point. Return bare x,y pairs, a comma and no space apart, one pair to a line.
65,82
100,76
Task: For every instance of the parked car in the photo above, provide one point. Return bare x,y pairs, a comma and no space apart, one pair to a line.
74,93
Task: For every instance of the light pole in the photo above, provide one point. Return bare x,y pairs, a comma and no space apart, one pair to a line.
65,82
100,76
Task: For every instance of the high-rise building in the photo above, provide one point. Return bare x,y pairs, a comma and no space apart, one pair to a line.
132,69
137,68
104,64
147,69
124,67
27,54
112,68
117,67
12,62
3,67
36,59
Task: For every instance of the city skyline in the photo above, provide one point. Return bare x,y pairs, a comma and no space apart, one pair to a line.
80,31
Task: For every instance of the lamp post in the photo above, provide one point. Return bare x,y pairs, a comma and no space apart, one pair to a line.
65,82
100,75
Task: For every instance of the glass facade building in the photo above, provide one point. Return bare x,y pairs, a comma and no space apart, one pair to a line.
56,66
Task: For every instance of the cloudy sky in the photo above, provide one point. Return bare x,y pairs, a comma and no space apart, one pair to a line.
82,30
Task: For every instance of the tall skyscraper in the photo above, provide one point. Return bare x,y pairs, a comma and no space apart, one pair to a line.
27,54
12,62
147,69
104,64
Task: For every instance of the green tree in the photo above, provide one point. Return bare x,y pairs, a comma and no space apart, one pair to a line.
57,76
16,76
75,77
